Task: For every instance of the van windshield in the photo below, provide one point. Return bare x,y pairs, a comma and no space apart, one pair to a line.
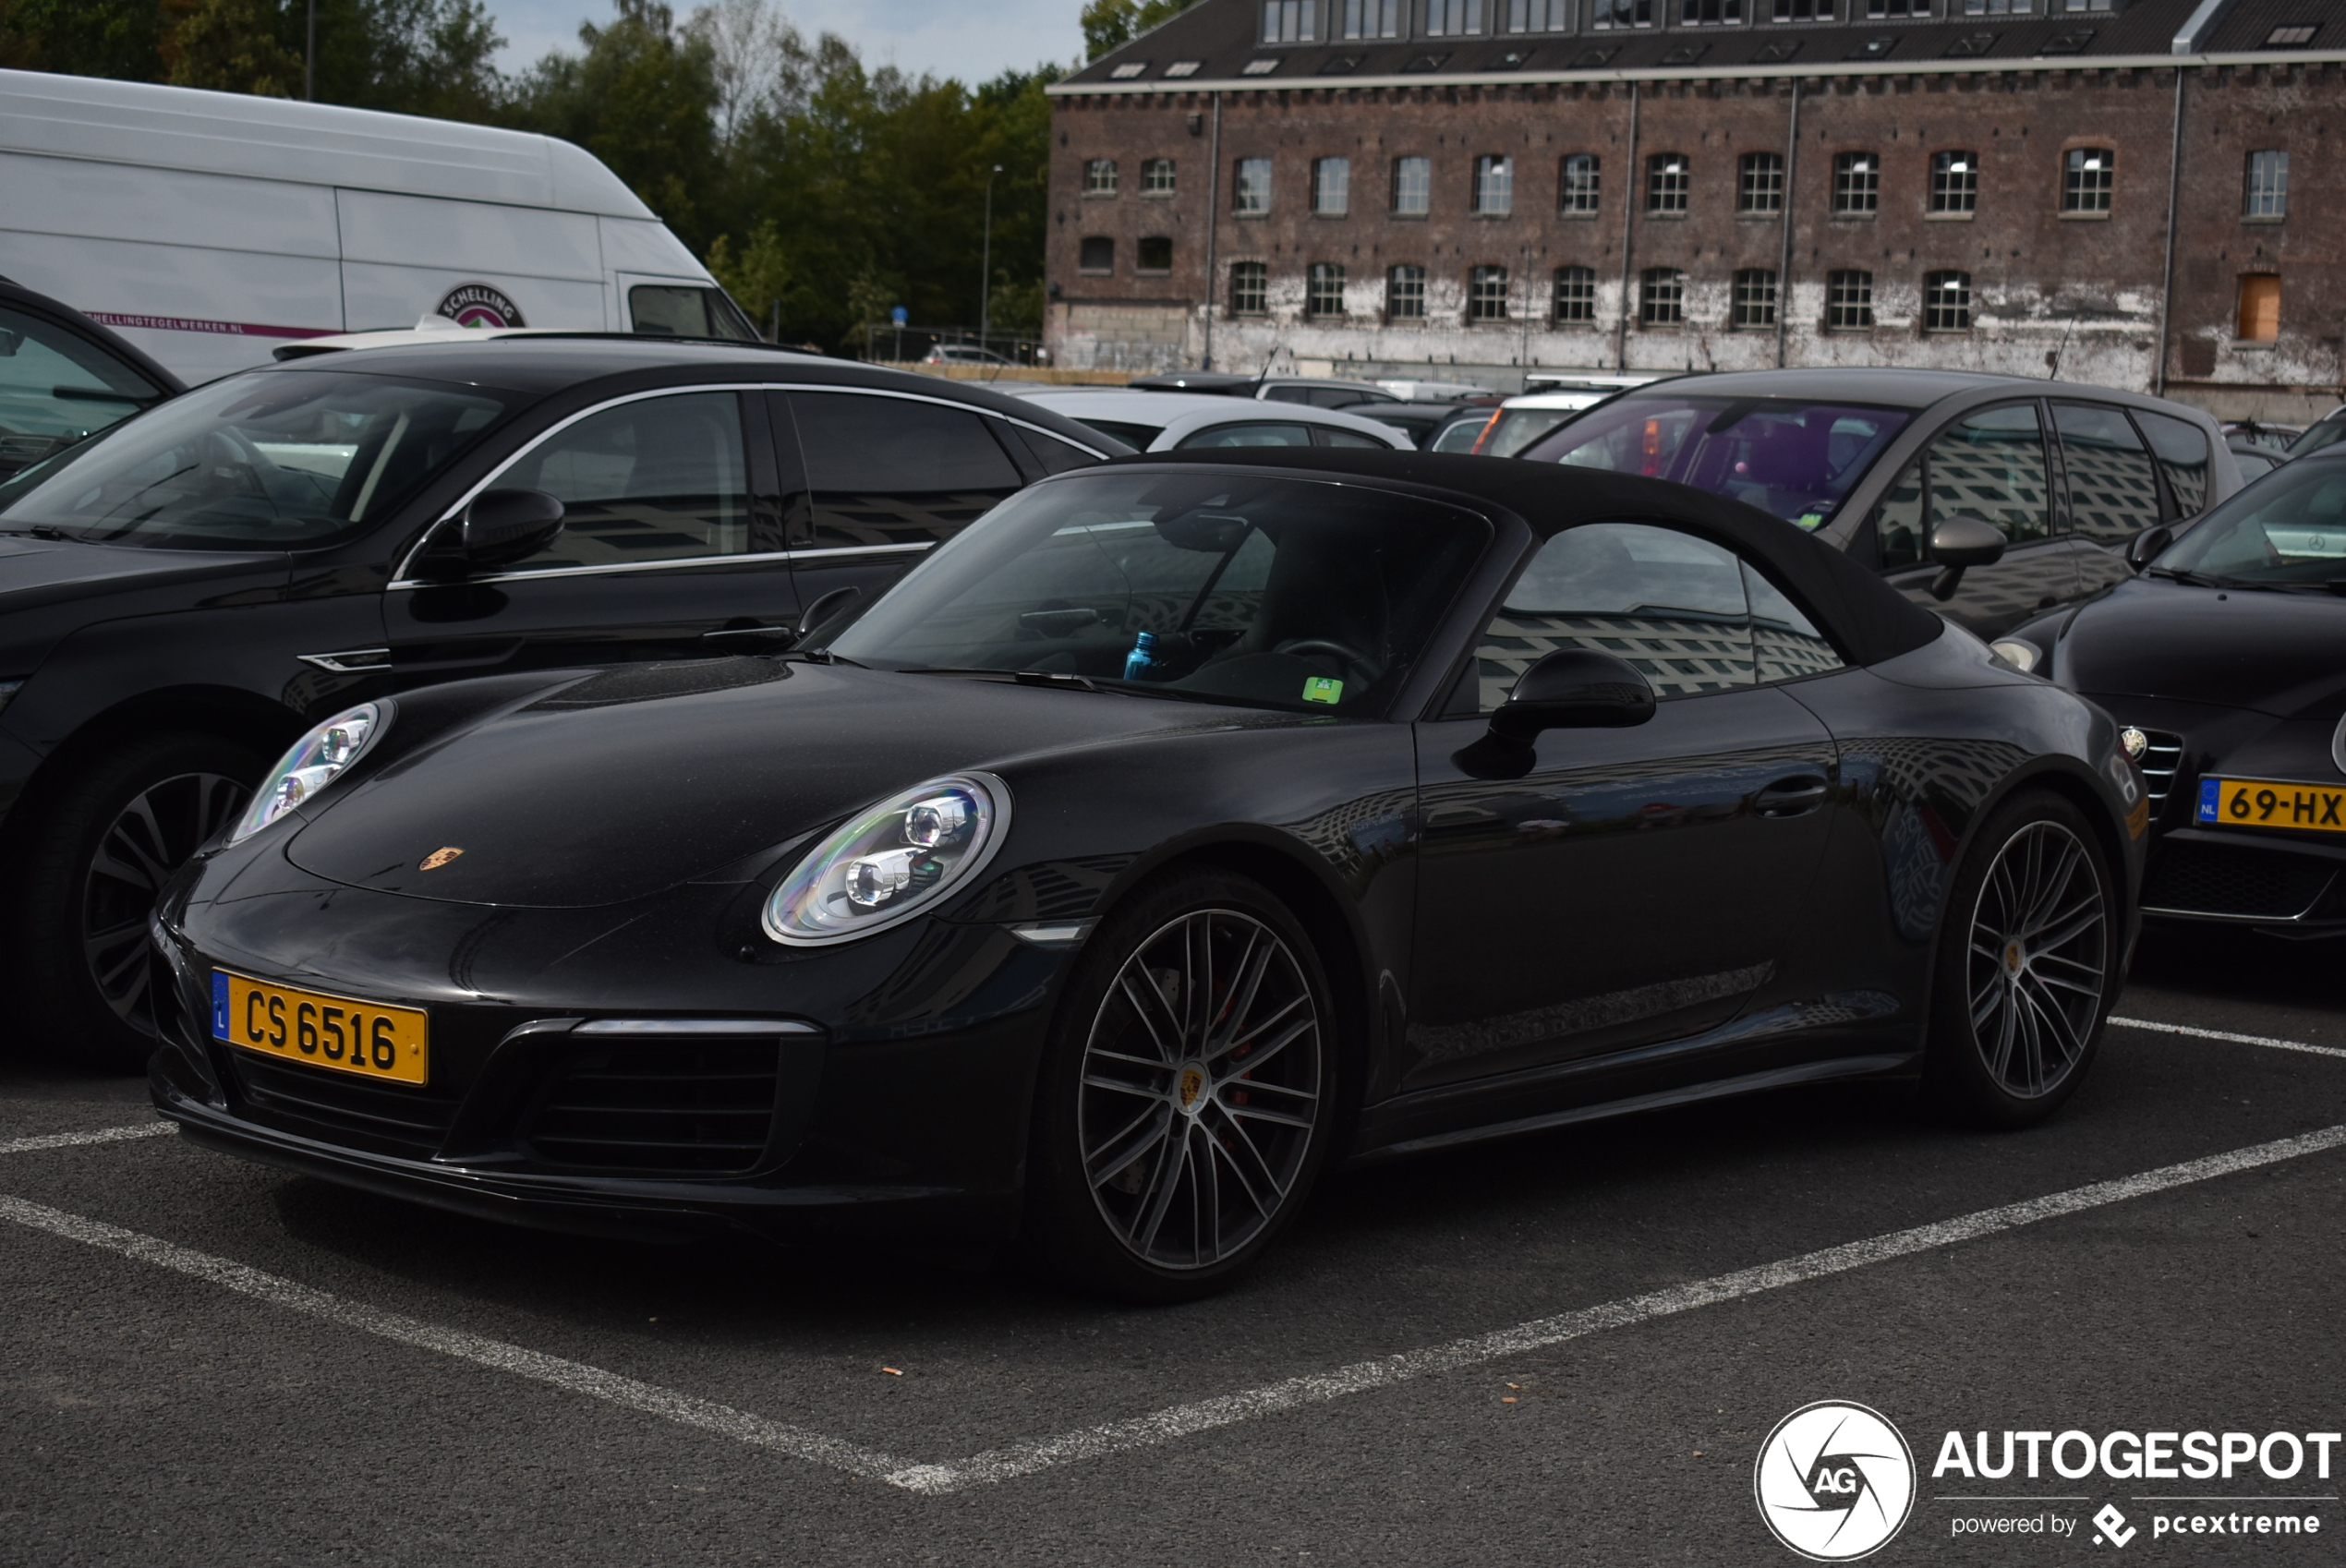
1795,460
282,460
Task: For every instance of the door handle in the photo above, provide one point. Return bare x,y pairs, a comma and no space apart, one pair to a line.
1796,796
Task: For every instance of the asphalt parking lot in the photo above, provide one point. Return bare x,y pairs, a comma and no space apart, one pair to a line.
1568,1348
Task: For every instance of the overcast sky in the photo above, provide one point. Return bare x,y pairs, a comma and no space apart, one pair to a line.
969,39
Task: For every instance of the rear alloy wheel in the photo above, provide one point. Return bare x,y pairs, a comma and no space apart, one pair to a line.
2027,967
1185,1104
110,836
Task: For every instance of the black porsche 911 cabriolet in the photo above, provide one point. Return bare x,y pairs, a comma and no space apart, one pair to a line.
1181,826
2226,659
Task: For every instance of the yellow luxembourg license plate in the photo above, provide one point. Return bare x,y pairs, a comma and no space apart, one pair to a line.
2267,802
366,1038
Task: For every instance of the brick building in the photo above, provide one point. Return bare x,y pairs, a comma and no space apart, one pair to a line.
2141,192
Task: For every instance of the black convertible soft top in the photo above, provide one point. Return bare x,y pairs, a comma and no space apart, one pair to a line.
1873,621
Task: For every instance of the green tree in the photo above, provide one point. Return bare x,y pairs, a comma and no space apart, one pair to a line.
84,38
1111,24
232,46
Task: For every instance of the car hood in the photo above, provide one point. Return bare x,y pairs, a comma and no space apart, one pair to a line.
639,777
38,572
2280,653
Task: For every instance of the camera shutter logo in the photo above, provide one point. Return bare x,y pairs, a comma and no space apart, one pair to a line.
1834,1482
478,305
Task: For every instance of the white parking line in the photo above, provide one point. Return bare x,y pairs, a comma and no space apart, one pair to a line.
2226,1034
75,1140
572,1375
1178,1421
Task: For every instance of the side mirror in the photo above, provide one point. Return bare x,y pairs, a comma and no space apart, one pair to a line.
2149,546
502,527
1958,544
1570,689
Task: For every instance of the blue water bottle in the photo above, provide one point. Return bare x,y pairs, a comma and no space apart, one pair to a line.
1142,659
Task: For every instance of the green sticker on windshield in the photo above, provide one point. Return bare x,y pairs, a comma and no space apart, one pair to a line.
1810,519
1320,689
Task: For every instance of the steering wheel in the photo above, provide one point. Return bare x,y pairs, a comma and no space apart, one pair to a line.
1355,664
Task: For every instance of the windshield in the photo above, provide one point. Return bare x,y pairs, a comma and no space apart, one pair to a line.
2288,527
282,460
1290,594
1796,460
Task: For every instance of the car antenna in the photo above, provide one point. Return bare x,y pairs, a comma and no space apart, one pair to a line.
2052,360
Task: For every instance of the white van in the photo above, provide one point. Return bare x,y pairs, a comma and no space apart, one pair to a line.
210,228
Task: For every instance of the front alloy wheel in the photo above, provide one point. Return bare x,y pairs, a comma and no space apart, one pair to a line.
1186,1095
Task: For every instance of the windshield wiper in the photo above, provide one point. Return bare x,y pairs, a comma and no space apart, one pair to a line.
2197,579
1023,676
41,531
820,655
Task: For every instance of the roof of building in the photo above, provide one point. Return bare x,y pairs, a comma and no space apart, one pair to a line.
1215,45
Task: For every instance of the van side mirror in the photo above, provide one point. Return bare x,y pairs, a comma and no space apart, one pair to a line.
1959,544
2149,546
1569,688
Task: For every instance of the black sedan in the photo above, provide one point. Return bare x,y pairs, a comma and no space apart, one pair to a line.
2227,661
185,594
1177,829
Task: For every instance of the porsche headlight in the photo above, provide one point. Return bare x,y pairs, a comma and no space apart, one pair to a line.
316,761
892,861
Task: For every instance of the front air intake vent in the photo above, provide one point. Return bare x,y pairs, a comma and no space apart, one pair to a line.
650,1104
2161,758
2235,884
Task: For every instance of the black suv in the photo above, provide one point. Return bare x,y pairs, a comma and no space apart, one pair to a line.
64,378
183,596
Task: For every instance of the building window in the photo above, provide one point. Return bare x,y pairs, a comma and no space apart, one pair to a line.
1539,16
1324,290
1412,186
1157,177
1487,294
1955,182
2259,306
2268,184
2085,5
1662,297
1250,288
1760,182
1856,183
1668,178
1946,302
1452,18
1405,294
2089,175
1807,11
1577,185
1371,18
1755,298
1495,185
1709,13
1153,254
1848,301
1898,7
1998,8
1331,186
1576,298
1620,13
1250,191
1097,254
1291,21
1099,176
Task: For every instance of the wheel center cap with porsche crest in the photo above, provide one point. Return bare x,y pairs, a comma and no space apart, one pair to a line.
1192,1085
2013,956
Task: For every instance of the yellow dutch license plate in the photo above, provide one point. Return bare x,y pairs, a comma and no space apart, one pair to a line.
2271,803
363,1038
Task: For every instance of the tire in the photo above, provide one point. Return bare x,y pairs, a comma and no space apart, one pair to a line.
1161,1167
2027,967
102,840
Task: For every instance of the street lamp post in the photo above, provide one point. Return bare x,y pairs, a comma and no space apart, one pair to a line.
986,266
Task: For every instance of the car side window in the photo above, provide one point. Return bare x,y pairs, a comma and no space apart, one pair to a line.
1785,645
2113,491
892,470
659,479
1898,520
57,389
1348,439
2181,449
1286,395
1991,466
676,311
1056,455
1249,435
1669,603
